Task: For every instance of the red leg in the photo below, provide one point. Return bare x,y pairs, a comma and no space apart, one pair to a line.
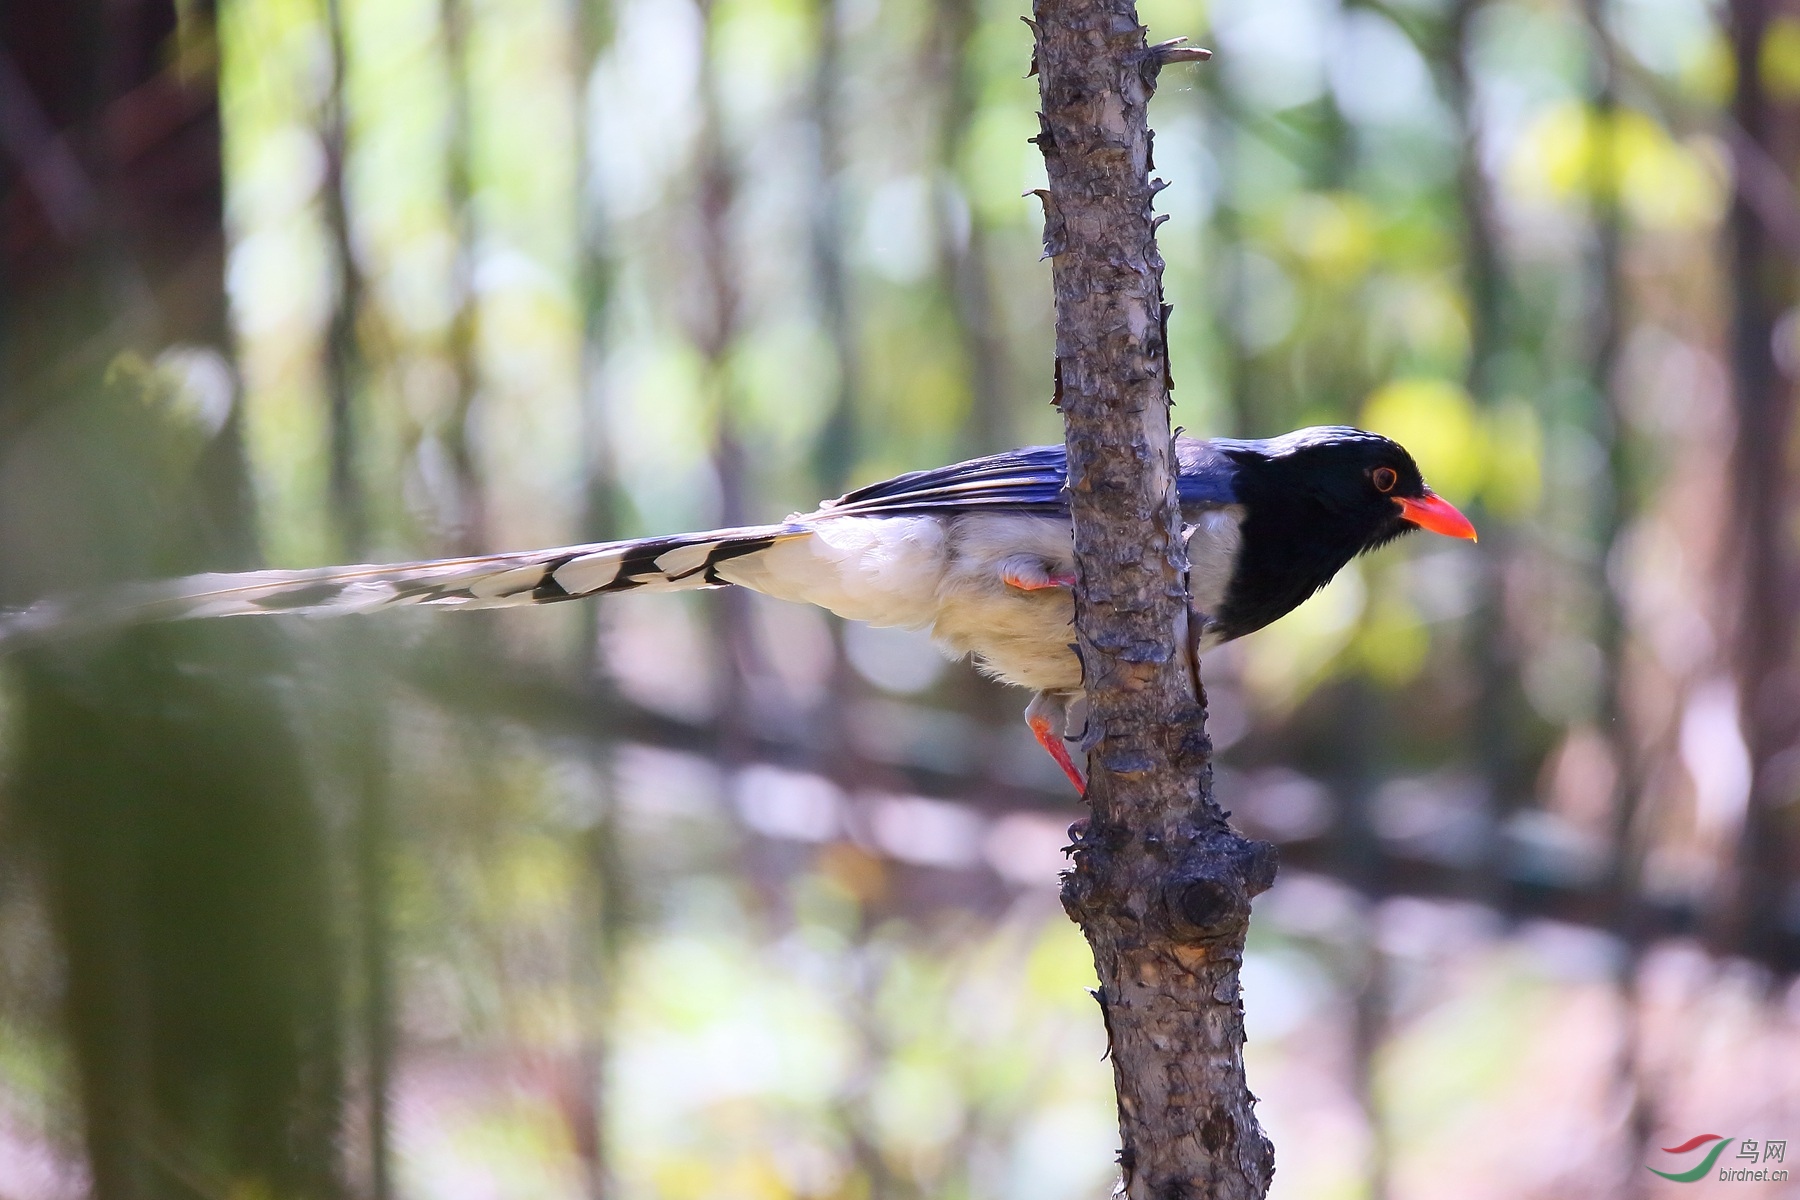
1033,585
1053,746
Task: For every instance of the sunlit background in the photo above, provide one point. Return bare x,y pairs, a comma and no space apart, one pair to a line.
713,897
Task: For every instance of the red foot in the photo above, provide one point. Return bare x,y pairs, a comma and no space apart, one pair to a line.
1037,585
1053,746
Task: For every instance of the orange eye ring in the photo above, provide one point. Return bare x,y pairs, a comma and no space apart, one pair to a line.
1385,478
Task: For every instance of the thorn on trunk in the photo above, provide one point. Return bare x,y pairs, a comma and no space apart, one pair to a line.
1168,369
1035,34
1105,1003
1127,1169
1055,233
1176,50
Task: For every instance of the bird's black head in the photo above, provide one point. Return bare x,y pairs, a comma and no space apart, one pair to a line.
1313,500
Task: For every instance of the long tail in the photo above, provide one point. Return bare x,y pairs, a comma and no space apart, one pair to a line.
662,564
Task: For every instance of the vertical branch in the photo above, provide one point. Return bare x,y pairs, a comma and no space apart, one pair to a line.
1764,286
716,333
717,326
1605,340
962,267
835,451
1160,885
595,280
1228,233
1608,422
1359,854
372,834
343,356
1494,736
600,924
834,455
152,772
962,253
469,520
1484,276
344,375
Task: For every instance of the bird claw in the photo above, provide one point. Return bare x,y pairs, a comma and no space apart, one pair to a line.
1030,575
1052,743
1048,717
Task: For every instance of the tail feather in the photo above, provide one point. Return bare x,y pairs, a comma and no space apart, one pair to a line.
660,564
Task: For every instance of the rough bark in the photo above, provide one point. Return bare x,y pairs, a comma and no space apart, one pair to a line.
1160,884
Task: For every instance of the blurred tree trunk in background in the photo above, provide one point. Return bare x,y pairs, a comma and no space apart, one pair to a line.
468,521
961,241
834,453
1765,289
344,365
155,770
353,503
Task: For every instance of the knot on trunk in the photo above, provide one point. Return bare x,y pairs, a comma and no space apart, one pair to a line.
1207,892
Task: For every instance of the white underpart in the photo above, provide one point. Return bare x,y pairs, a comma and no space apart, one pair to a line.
881,570
949,576
1213,541
1022,636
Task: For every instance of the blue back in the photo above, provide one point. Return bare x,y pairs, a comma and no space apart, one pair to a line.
1030,480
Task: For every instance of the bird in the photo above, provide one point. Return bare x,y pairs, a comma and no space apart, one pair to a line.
979,553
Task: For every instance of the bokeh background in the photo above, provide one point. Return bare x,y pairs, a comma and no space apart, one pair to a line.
711,897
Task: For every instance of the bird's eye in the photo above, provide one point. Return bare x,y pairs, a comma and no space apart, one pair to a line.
1385,478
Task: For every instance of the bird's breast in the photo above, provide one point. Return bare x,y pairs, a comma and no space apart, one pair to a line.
1022,635
1215,543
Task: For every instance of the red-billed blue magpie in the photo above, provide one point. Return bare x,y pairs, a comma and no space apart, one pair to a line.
979,553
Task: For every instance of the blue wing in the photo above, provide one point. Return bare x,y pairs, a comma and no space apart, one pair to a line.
1030,480
1208,475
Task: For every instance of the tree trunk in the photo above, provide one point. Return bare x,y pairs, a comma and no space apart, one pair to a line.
1161,886
154,770
1764,283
